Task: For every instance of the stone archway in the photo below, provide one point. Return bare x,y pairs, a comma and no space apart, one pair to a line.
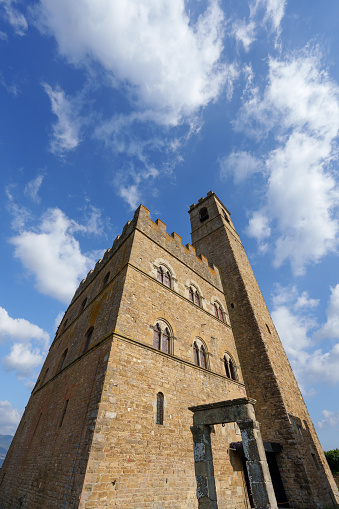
242,412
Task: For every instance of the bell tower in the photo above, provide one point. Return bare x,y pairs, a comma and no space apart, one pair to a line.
280,408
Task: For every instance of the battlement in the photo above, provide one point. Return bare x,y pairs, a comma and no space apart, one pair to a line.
155,229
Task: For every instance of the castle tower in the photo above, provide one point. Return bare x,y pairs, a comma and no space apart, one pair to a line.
268,377
108,422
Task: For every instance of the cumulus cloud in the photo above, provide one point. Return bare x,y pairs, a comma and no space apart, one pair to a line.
23,359
32,188
66,129
244,32
258,226
53,256
169,64
9,418
302,103
29,344
292,315
14,17
20,329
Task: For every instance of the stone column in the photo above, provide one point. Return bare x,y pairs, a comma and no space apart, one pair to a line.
258,473
204,472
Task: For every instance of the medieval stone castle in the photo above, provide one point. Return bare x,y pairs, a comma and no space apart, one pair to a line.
167,386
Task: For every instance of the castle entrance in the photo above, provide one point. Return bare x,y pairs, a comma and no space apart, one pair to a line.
242,412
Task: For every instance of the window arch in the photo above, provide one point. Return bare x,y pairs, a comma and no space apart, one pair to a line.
160,408
203,214
106,280
218,312
164,276
230,369
194,296
162,337
89,335
200,356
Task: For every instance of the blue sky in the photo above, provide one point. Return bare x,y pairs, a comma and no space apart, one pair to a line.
105,105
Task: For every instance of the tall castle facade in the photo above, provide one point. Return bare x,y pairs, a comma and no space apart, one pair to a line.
155,332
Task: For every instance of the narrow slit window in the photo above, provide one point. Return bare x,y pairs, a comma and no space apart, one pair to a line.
106,279
88,339
62,361
63,412
83,305
160,408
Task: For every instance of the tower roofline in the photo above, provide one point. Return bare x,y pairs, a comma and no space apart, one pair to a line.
201,201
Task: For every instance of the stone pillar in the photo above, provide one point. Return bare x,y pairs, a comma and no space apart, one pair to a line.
204,472
258,473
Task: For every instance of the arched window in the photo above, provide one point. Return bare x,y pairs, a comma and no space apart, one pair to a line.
220,313
216,310
62,361
162,337
229,367
203,214
106,280
88,339
164,276
160,408
194,296
199,354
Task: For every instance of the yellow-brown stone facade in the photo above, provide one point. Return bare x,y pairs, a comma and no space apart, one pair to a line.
90,436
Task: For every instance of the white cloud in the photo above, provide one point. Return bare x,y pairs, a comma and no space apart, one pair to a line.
53,256
32,188
23,359
241,165
20,329
258,226
66,129
9,418
14,17
131,193
298,332
3,36
331,420
244,32
20,214
302,103
169,65
331,328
